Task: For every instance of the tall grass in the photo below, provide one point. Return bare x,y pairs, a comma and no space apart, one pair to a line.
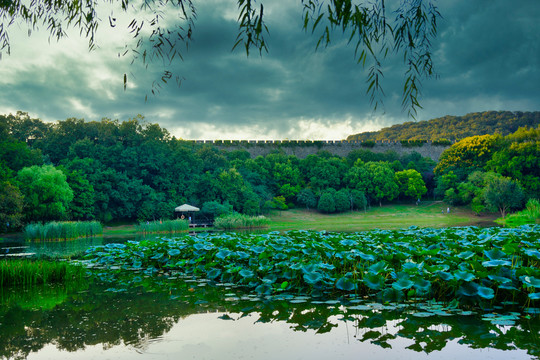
240,221
530,215
166,226
62,230
25,272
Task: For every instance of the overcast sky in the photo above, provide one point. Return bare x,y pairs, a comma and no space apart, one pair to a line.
487,55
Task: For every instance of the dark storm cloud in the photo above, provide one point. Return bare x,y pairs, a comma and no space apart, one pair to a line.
486,54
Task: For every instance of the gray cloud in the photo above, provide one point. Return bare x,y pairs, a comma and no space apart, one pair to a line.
487,55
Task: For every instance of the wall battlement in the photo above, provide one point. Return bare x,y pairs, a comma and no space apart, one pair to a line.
303,148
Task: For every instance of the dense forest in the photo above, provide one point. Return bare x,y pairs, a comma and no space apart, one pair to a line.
135,171
455,127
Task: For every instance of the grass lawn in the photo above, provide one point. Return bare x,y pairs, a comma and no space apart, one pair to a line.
428,214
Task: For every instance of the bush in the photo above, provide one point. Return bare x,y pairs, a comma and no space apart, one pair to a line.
326,203
368,143
442,142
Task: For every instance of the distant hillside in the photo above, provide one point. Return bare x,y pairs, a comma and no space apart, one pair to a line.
455,127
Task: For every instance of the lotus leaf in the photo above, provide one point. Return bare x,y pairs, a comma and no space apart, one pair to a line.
534,296
500,279
173,252
493,263
463,275
533,253
402,284
346,284
485,292
465,255
377,267
422,286
312,278
530,281
468,289
213,273
373,281
445,276
495,254
245,273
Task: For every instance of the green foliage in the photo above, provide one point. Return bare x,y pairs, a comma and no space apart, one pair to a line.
24,272
530,215
240,221
326,203
214,209
412,143
368,144
341,200
519,159
307,198
46,193
64,230
441,142
163,226
11,207
504,194
455,127
411,184
468,266
468,155
381,182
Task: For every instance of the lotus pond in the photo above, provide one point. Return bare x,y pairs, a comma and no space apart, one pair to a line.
414,293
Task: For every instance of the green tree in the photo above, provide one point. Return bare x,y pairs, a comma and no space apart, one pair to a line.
468,155
46,193
326,203
307,198
411,184
82,206
377,181
504,194
11,207
358,200
341,200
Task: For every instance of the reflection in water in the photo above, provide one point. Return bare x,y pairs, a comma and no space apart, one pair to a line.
186,318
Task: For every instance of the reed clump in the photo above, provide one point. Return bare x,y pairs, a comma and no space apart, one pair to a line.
163,226
63,230
27,272
240,221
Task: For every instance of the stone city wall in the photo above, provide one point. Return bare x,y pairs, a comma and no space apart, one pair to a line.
303,148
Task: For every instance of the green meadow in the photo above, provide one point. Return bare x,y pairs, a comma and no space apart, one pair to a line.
428,214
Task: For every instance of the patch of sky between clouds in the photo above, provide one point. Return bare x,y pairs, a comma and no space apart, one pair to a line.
299,129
